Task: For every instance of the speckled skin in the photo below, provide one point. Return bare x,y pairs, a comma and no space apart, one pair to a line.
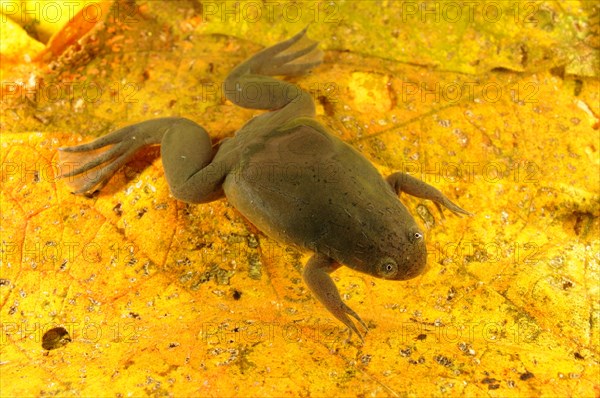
286,174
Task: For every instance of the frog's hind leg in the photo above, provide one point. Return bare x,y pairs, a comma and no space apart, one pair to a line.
249,85
186,150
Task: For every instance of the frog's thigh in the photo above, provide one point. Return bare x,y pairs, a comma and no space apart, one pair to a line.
186,152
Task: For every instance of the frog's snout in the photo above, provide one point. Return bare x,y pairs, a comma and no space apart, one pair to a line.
415,253
415,263
416,266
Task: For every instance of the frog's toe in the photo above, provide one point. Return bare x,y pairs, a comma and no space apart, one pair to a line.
299,55
453,207
348,322
95,168
340,310
110,139
94,161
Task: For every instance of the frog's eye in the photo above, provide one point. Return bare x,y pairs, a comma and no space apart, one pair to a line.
415,235
388,269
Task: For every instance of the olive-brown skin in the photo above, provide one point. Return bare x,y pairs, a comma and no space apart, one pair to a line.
305,187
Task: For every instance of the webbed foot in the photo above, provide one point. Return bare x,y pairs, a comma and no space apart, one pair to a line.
91,165
292,57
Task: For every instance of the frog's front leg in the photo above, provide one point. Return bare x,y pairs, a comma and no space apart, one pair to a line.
402,182
187,155
316,276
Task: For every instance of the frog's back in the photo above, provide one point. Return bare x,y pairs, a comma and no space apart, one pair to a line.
305,187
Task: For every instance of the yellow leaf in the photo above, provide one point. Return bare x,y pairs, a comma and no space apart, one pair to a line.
15,44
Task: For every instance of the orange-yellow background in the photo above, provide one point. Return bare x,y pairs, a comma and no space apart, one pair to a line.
164,298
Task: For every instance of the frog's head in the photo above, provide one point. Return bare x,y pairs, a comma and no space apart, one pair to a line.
397,252
402,254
